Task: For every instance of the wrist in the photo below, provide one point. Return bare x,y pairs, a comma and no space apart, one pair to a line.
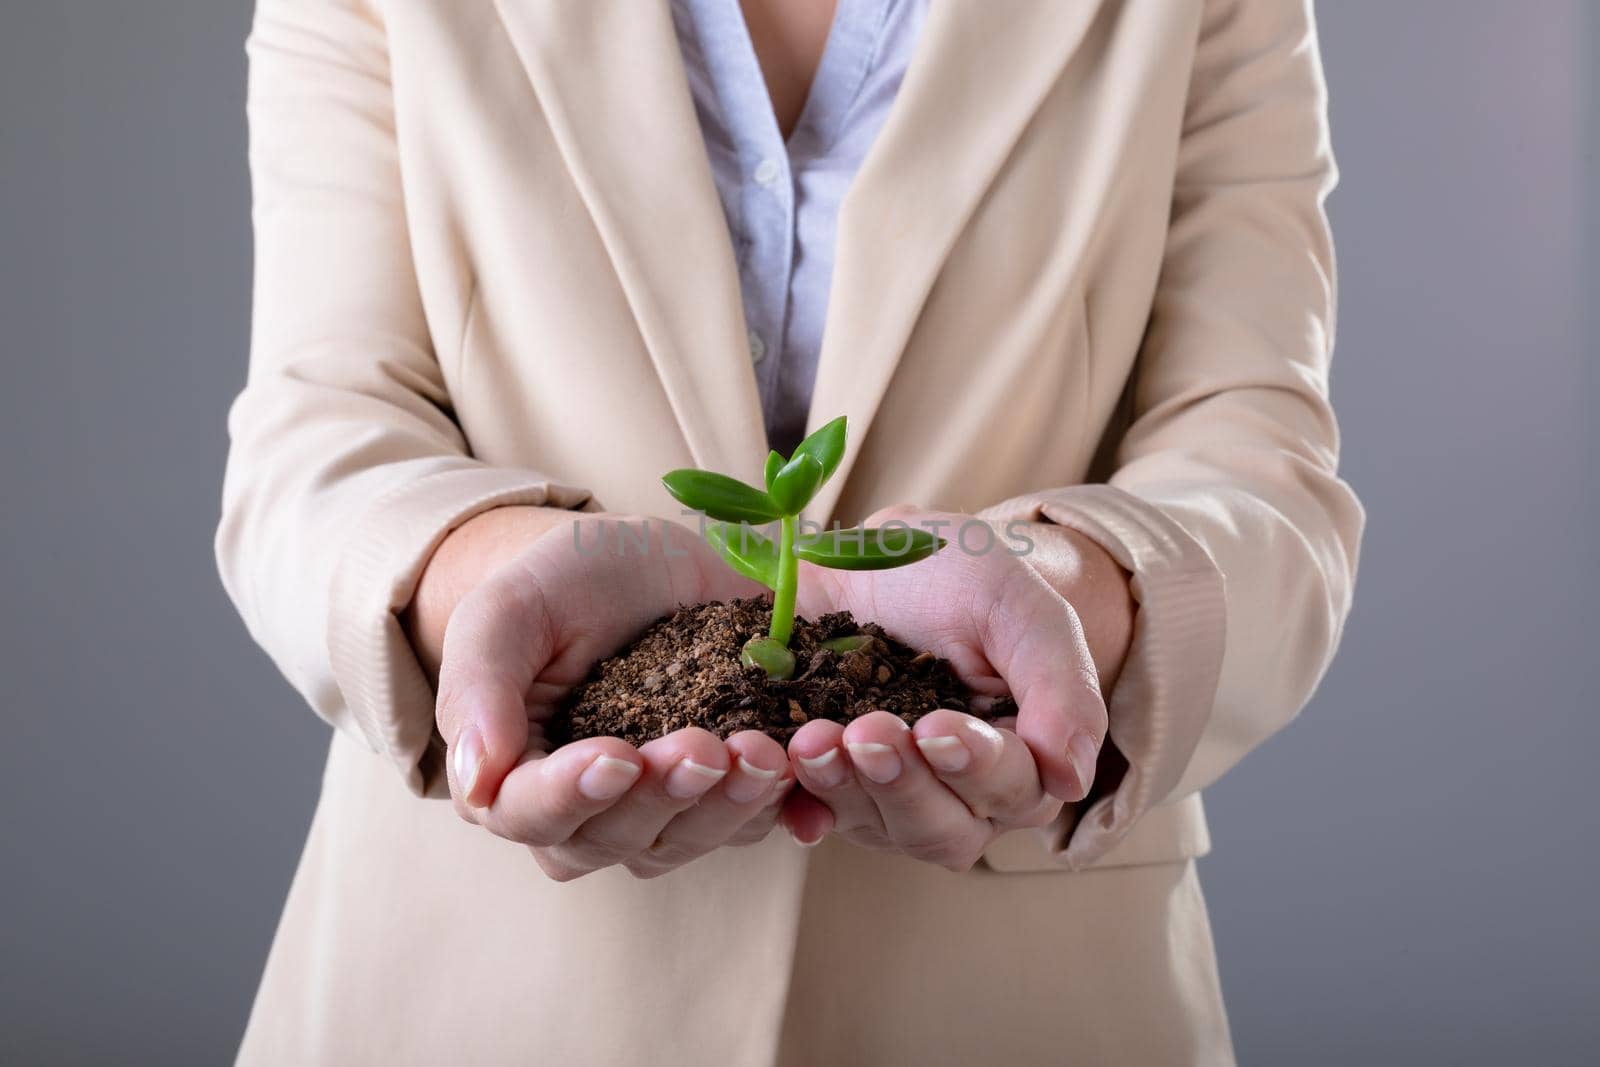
467,555
1095,584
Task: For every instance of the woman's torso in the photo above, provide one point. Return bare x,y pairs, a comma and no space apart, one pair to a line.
574,264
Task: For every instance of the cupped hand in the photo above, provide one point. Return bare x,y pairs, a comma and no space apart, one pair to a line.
523,637
942,791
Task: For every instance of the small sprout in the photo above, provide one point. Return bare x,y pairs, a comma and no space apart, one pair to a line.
771,656
790,485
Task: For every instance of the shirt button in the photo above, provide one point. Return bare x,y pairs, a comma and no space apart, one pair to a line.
767,172
758,348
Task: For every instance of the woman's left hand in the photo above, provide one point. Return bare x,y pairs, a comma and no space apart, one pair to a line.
943,790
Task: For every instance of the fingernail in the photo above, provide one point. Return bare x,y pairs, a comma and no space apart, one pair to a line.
984,730
751,782
468,758
881,763
802,842
1084,752
608,778
945,753
690,779
825,770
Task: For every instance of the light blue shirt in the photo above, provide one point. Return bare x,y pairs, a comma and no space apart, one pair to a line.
782,198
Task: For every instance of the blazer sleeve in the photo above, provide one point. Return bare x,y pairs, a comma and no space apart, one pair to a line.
346,466
1224,502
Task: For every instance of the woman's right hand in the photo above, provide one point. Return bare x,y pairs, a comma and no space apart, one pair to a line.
522,636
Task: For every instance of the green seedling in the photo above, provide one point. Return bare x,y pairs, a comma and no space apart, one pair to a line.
791,482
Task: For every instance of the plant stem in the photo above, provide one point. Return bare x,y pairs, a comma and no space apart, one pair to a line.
788,580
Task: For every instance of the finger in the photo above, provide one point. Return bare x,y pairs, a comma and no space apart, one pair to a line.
1036,644
679,770
906,513
823,769
757,779
991,770
807,819
494,645
546,798
922,817
761,824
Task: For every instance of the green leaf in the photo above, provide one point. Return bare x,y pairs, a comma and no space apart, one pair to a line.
847,643
720,496
868,549
746,551
775,462
826,445
794,485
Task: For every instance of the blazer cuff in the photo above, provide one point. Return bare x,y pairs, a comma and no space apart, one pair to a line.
384,686
1163,698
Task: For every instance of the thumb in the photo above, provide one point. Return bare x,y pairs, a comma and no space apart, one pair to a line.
497,641
1036,642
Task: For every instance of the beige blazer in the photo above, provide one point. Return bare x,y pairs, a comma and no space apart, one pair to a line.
1084,276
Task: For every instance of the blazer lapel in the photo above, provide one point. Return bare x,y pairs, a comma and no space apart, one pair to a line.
612,84
978,75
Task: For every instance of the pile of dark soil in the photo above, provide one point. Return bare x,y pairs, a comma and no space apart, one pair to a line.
684,671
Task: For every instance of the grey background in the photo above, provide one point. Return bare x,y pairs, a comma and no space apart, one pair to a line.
1406,876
